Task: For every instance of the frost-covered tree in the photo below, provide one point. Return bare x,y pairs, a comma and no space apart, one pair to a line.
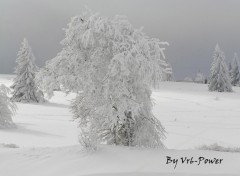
25,89
230,67
59,73
111,66
188,79
169,73
200,78
7,108
234,72
219,78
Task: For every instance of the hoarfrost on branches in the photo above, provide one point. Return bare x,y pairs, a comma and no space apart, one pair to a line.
219,78
25,89
234,72
111,66
7,108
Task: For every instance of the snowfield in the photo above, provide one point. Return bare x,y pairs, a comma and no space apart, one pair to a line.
108,160
194,116
45,142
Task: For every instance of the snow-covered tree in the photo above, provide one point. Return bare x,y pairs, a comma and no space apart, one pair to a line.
234,72
25,89
60,73
230,67
111,66
200,78
188,79
219,78
169,73
7,108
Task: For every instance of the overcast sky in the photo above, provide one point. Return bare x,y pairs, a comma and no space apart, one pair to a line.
192,27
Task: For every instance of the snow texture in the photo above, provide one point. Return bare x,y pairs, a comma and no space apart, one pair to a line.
216,147
47,141
112,161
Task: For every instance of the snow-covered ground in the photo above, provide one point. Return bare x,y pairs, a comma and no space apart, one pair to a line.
111,161
193,116
47,138
42,125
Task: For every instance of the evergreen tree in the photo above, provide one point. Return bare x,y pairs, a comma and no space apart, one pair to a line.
24,86
7,108
111,66
230,67
219,78
234,72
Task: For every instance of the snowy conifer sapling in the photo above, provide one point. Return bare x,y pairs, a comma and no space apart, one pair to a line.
219,78
234,72
112,67
24,86
7,108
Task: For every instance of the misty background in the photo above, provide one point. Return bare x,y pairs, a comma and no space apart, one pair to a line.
192,28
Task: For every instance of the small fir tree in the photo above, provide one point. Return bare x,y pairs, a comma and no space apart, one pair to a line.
219,78
7,108
24,88
234,72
